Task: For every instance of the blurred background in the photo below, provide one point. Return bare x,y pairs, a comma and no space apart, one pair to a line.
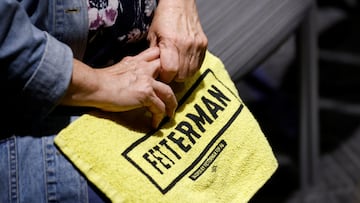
272,93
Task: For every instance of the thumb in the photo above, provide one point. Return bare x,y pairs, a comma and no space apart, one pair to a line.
169,58
152,39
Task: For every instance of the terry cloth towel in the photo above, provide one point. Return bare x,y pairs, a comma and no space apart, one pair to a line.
213,150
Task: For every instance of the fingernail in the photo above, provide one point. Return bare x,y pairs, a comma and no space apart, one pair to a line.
173,114
155,124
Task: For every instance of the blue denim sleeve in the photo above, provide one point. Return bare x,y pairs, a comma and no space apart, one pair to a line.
36,68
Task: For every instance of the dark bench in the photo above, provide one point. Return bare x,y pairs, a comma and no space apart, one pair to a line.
244,33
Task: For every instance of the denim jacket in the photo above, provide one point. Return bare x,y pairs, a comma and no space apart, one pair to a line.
38,41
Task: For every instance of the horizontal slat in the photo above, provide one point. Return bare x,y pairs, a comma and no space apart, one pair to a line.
244,32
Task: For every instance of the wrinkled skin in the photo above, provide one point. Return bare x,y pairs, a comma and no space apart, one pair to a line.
177,49
127,85
177,31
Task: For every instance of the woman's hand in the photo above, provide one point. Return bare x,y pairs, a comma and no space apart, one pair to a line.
177,31
127,85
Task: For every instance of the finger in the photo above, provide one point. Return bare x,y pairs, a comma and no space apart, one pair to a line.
167,96
201,52
152,39
157,110
149,54
192,58
185,61
195,63
169,61
160,101
152,68
202,57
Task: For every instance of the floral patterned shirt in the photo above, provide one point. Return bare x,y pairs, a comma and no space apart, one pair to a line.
113,24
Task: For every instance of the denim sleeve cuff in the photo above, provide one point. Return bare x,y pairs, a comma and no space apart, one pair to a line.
50,80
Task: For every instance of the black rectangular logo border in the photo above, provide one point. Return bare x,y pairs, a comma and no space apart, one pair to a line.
202,154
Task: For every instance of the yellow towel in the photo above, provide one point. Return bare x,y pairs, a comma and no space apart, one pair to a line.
213,150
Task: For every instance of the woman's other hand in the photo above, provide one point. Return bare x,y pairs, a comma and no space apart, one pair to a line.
177,31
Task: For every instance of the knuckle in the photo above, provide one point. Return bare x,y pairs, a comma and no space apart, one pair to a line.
204,41
201,42
127,59
147,89
169,95
188,41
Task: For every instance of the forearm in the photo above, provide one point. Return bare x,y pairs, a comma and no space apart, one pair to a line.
178,5
82,87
